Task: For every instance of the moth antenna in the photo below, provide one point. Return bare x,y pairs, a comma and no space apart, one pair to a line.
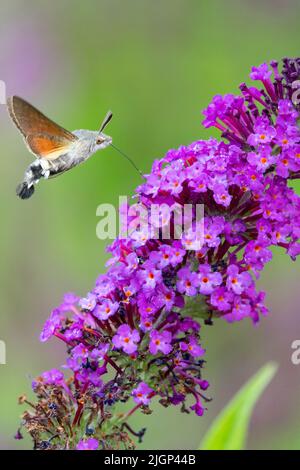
106,120
129,159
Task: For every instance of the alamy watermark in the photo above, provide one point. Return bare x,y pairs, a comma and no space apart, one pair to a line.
2,92
155,221
2,352
296,94
295,357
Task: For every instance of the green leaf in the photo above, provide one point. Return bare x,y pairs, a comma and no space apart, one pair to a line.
229,430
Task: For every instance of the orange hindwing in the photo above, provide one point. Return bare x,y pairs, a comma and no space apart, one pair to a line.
47,146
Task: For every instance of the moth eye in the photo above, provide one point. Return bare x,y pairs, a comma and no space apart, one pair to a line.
100,140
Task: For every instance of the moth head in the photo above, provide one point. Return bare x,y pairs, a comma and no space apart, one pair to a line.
102,141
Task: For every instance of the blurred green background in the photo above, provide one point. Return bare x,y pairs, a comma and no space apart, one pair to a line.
156,64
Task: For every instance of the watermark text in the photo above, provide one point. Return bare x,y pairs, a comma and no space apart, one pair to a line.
2,352
140,222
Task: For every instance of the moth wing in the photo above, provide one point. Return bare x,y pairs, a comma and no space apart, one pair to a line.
48,146
30,120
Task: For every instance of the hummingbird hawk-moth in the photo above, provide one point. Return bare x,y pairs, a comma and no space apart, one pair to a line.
56,149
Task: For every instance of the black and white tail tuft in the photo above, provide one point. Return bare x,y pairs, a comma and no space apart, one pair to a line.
25,191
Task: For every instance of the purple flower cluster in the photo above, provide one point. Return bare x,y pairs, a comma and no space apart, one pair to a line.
133,336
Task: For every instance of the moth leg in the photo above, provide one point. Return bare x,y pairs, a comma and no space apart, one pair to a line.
36,171
44,164
46,174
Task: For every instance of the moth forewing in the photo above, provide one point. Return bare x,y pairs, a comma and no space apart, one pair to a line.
30,120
